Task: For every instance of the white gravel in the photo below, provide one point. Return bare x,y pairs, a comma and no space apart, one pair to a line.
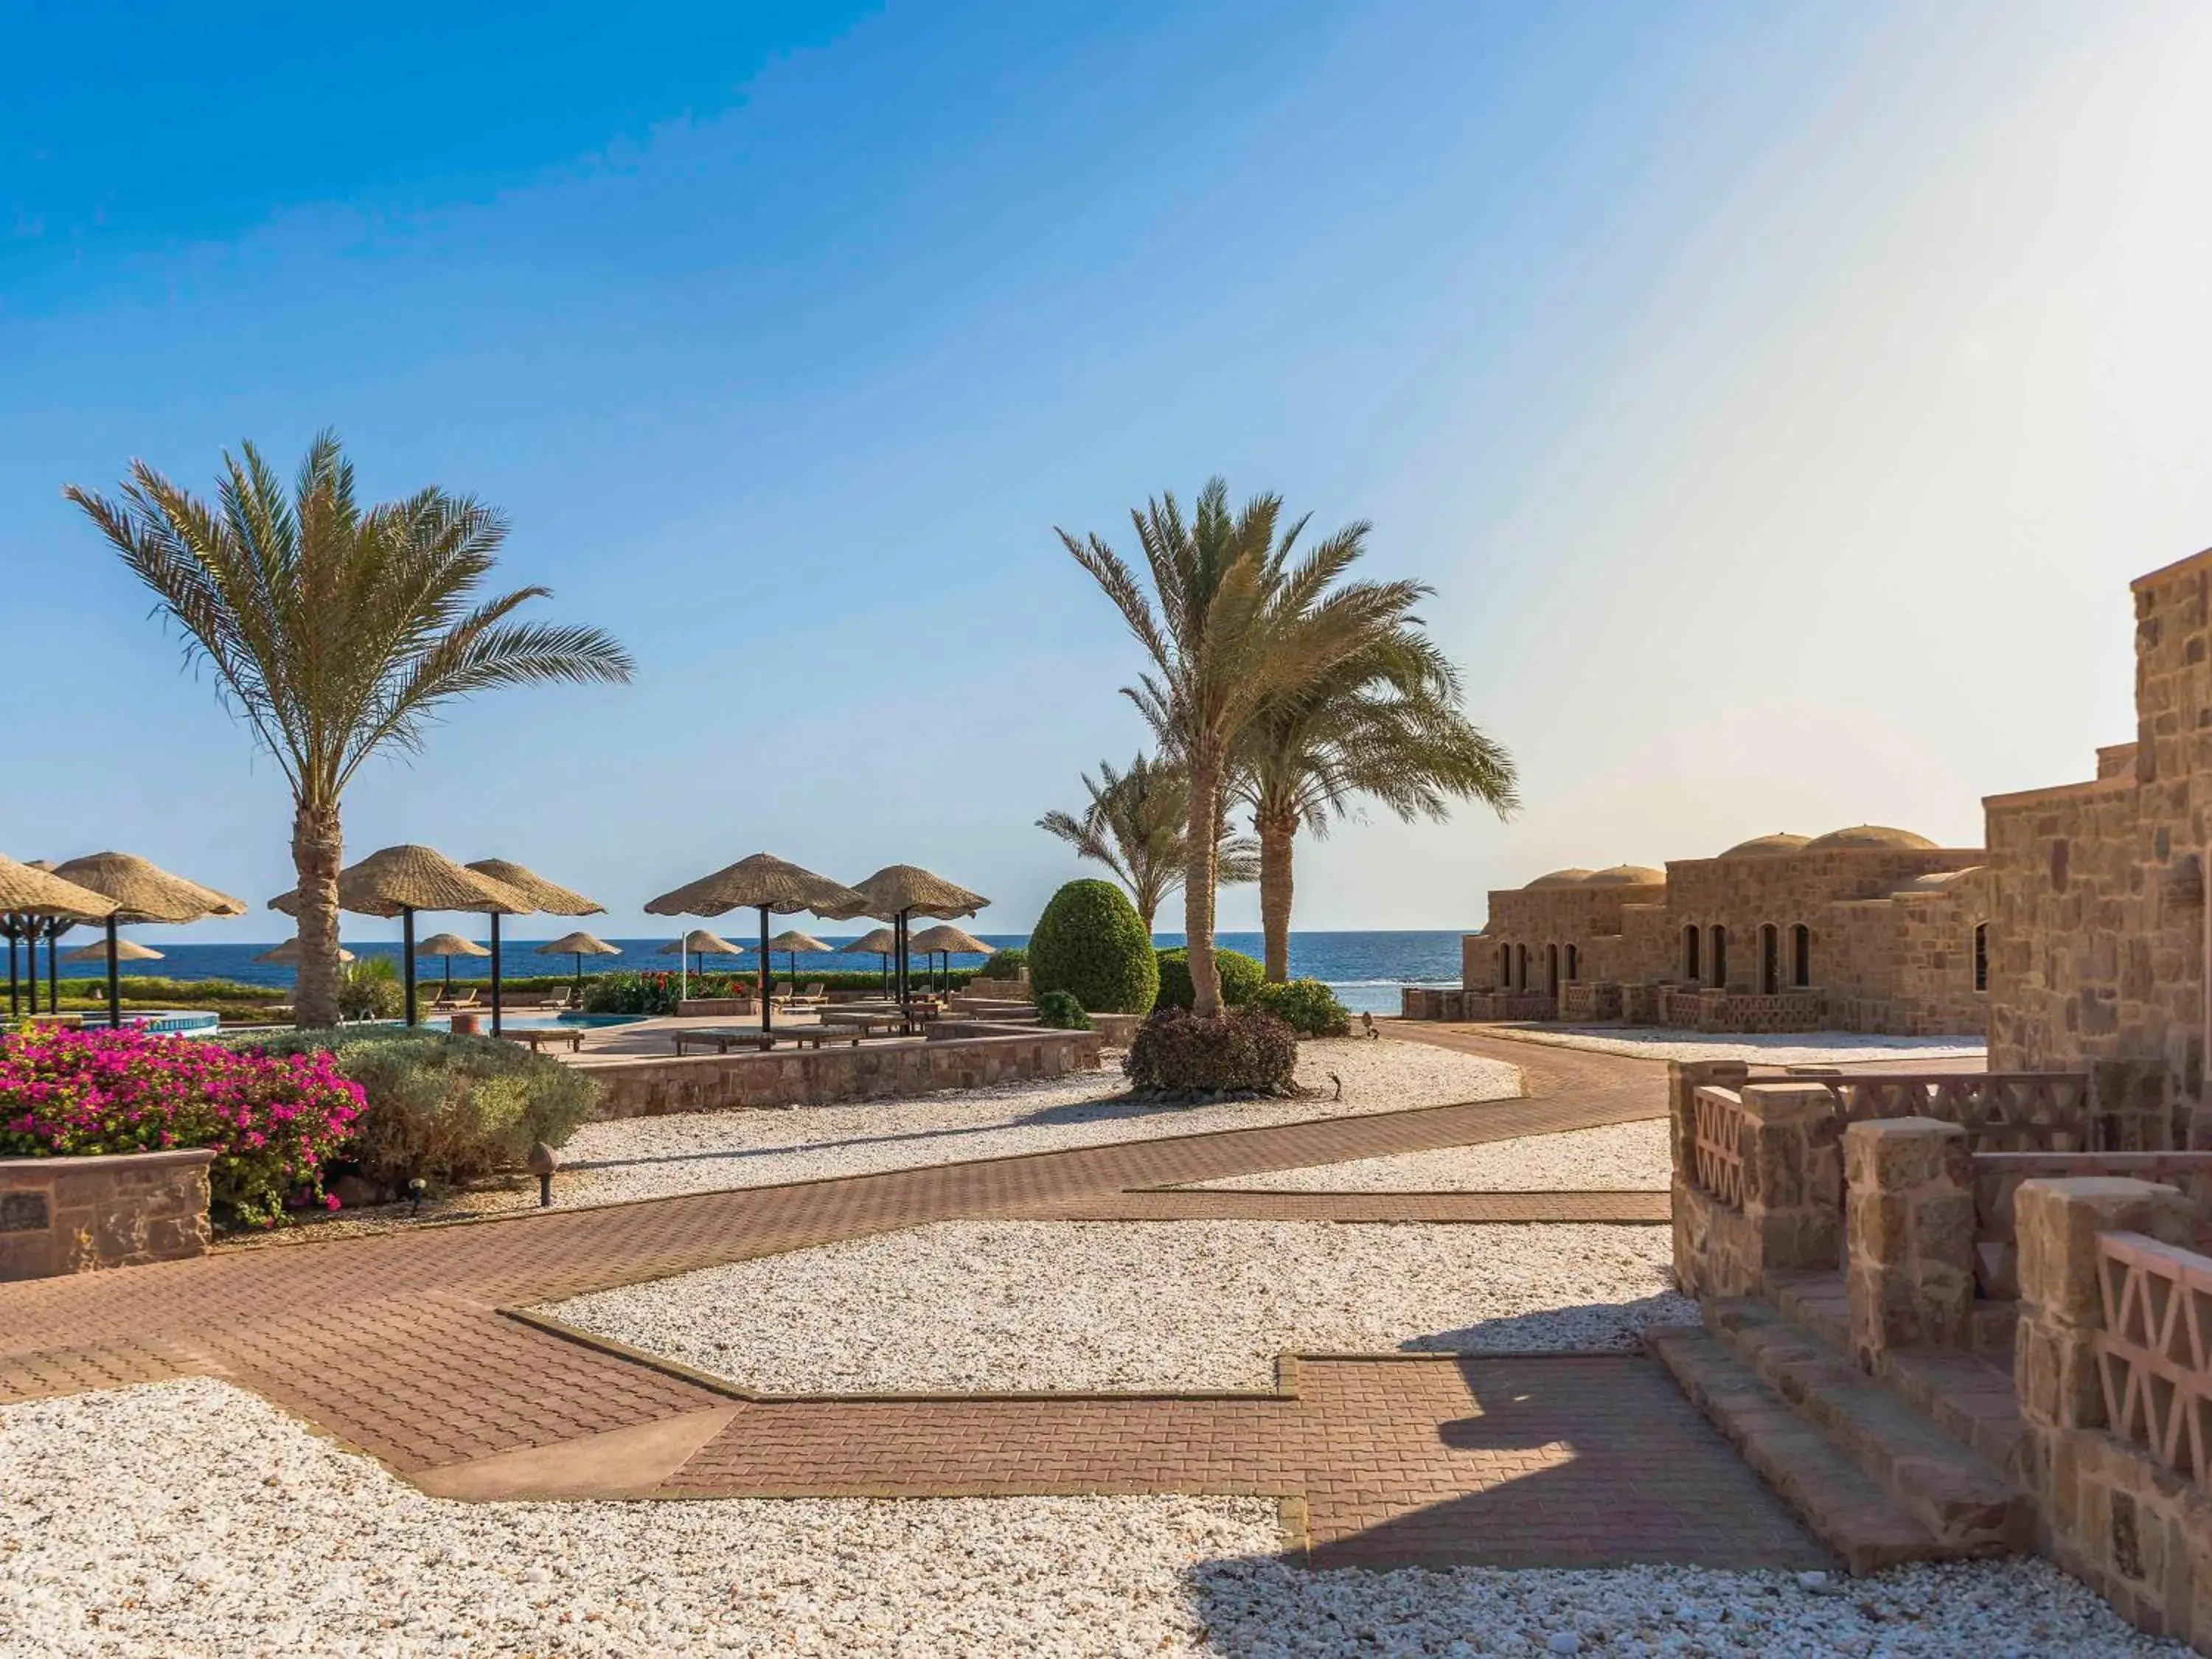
1775,1049
190,1518
1620,1157
964,1306
697,1151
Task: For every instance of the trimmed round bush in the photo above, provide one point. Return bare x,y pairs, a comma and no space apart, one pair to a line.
1308,1007
1091,944
1244,1052
1005,964
1241,978
1063,1012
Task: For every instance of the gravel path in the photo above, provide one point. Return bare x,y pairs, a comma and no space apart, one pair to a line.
968,1306
1620,1157
1777,1048
696,1152
191,1518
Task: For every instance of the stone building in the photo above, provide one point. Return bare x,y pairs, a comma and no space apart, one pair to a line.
2098,888
1863,929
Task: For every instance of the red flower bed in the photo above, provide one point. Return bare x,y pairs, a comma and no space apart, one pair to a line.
273,1119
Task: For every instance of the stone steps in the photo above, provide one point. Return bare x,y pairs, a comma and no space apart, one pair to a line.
1846,1510
1965,1503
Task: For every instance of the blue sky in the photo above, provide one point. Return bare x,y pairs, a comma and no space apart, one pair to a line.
1778,399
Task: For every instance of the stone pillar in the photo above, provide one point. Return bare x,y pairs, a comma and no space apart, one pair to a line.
1684,1078
1910,1216
1793,1176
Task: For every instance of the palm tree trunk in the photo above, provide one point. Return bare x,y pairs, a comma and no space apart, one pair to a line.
1203,854
1276,832
317,851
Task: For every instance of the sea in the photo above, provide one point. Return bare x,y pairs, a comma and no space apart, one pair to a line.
1366,970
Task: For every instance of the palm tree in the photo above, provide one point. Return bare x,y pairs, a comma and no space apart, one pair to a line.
1136,826
1384,724
334,632
1231,623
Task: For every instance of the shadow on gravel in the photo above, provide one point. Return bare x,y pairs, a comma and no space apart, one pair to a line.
1538,1333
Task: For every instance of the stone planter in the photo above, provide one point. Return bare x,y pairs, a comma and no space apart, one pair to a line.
467,1025
69,1215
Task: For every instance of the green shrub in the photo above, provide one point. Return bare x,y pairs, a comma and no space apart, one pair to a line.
1308,1007
1006,964
1244,1051
1241,978
448,1108
1090,943
1061,1011
369,988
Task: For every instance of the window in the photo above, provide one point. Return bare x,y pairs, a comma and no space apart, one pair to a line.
1720,955
1504,967
1520,955
1691,971
1574,964
1800,956
1769,959
1981,955
1551,970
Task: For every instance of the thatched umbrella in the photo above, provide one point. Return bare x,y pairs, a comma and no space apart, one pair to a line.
769,886
126,949
880,944
289,953
791,941
142,892
398,881
945,938
449,946
33,900
702,943
546,898
580,946
900,891
32,929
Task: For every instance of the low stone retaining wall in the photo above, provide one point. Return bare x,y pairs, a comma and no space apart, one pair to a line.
69,1215
822,1077
715,1008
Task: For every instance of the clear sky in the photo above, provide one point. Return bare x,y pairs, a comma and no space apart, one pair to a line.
1779,398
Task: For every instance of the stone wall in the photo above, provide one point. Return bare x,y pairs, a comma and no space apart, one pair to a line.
1783,1142
708,1083
67,1215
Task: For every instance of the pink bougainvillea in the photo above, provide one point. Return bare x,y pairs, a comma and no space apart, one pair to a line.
274,1119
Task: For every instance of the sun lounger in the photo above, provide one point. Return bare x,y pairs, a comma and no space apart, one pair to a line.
821,1036
559,1001
723,1042
538,1036
465,1000
813,997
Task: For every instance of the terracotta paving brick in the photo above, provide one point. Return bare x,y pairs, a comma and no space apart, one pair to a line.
395,1343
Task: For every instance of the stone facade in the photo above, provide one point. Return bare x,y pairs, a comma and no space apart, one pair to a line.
68,1215
2098,888
710,1083
1909,1235
1757,1179
1866,929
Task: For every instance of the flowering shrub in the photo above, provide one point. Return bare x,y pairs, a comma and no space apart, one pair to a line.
1243,1051
275,1121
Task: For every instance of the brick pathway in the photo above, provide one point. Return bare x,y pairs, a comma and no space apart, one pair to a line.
395,1344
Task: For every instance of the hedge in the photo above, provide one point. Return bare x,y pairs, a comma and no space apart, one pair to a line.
1241,978
1091,944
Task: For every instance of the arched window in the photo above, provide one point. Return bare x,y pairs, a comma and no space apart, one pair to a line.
1520,955
1504,967
1551,970
1720,955
1770,958
1574,964
1981,955
1801,955
1691,971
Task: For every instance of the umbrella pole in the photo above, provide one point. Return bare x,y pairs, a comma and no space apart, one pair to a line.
114,979
767,979
30,962
15,988
495,973
407,958
579,992
53,971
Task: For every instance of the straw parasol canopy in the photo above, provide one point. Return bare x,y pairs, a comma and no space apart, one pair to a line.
706,943
881,942
395,880
772,886
144,891
449,946
791,941
899,892
126,949
579,945
546,897
951,940
35,890
289,952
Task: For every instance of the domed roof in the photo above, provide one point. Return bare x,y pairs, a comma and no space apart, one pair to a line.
1627,875
1766,846
1573,876
1868,835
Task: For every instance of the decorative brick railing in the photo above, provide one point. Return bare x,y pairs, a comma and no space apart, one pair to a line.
2154,1353
2000,1111
1718,1140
